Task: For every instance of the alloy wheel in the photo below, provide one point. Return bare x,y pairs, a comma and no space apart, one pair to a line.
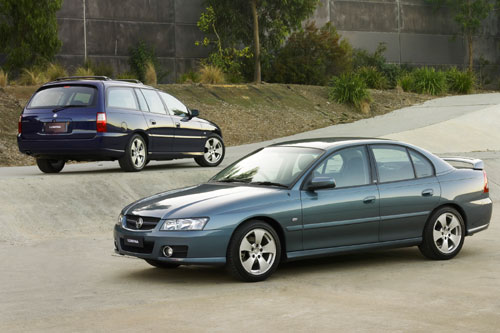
447,233
257,251
213,150
138,153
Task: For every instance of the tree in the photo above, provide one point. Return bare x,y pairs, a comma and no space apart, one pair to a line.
469,14
263,24
28,31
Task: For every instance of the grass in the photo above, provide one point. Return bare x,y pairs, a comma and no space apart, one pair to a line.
150,74
82,71
212,75
30,77
372,77
460,82
349,88
55,71
4,78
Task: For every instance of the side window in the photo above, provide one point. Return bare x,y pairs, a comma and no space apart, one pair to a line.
121,98
349,167
142,101
174,105
154,101
423,168
393,163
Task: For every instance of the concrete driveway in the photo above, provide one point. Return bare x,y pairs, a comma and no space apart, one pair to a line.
59,273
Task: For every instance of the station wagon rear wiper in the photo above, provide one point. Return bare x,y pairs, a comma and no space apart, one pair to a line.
270,184
68,106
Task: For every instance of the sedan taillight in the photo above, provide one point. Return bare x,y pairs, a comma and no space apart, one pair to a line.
486,188
101,122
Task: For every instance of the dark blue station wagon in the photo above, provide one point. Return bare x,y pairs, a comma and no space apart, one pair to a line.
96,118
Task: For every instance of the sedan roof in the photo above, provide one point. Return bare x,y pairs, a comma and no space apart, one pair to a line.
328,143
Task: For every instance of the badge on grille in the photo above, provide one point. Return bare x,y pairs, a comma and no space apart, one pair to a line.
138,223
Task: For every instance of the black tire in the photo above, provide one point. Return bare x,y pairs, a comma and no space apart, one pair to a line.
212,157
161,264
236,256
444,234
136,154
50,165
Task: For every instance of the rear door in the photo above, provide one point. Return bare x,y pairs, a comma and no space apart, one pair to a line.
161,126
347,214
66,111
408,188
189,133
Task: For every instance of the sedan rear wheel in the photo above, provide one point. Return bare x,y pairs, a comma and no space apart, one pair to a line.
49,165
213,152
443,235
254,252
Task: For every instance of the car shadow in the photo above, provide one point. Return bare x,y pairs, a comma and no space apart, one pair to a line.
117,170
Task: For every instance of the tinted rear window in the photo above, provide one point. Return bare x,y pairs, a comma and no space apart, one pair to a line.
60,96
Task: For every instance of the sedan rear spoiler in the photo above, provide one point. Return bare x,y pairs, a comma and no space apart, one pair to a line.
476,164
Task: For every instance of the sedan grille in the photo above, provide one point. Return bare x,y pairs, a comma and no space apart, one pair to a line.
135,222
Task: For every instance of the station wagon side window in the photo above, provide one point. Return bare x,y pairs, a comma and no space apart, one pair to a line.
349,167
121,98
423,168
393,163
154,102
174,105
142,101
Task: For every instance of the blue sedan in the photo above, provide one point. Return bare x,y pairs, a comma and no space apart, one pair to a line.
305,199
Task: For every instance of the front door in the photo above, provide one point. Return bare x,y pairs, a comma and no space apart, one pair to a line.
347,214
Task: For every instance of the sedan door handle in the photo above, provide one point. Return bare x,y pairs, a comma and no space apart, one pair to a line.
428,193
368,200
153,122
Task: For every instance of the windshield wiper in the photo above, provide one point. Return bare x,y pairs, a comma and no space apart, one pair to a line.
231,180
269,184
68,106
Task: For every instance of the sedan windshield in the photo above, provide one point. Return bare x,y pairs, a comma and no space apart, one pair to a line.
272,166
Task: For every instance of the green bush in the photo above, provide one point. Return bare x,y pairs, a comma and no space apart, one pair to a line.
372,77
127,76
100,69
312,56
140,56
406,82
189,77
363,58
55,71
460,82
393,73
428,80
348,88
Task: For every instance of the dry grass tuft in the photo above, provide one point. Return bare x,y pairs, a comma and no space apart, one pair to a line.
212,75
150,75
55,71
82,71
32,77
4,78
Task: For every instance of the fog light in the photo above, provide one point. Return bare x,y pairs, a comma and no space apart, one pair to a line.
167,251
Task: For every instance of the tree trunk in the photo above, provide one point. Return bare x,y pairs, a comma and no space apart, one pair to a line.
256,42
471,51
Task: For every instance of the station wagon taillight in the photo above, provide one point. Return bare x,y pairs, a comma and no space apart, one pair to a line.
486,188
101,122
20,125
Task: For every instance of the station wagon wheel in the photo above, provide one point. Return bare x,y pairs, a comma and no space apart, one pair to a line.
254,252
213,152
135,156
443,235
50,165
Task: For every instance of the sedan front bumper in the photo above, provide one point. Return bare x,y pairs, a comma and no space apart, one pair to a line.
205,247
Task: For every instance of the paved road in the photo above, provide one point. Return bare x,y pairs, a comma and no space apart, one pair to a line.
58,271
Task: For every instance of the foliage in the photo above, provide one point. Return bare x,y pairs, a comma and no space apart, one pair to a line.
31,77
83,71
276,18
55,71
363,58
127,76
211,75
372,77
28,31
460,82
189,77
312,56
4,78
140,56
150,75
425,80
100,68
348,88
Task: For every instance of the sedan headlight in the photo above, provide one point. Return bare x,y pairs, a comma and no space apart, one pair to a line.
197,223
120,220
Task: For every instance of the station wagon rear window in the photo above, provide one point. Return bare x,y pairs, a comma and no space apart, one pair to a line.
63,95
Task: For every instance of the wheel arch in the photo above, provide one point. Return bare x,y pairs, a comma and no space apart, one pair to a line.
144,136
273,223
455,206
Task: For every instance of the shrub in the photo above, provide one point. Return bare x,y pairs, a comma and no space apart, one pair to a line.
150,75
189,77
55,71
100,68
127,76
372,77
406,82
4,78
312,56
393,73
82,71
427,80
211,75
363,58
348,88
31,77
460,82
140,56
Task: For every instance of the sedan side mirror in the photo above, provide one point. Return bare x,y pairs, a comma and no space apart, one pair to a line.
320,183
194,113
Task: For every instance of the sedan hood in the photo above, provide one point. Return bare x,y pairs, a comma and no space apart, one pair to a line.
198,201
